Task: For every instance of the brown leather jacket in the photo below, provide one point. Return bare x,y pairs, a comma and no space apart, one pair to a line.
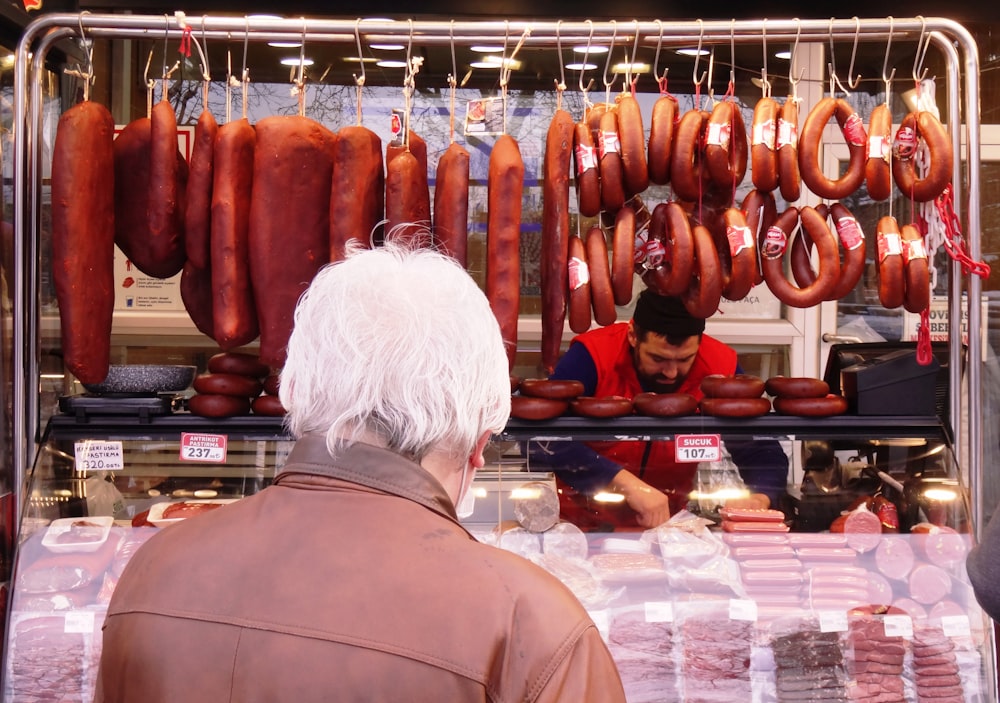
347,580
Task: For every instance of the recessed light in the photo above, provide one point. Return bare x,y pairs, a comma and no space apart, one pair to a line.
296,61
590,49
485,64
387,47
285,44
485,49
630,68
783,55
365,59
581,66
693,52
391,64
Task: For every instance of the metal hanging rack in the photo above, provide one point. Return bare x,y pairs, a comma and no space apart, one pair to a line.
951,38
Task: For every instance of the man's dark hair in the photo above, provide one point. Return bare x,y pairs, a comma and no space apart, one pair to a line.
666,316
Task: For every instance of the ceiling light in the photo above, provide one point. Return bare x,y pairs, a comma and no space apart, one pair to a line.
693,52
285,44
590,49
484,64
486,49
638,67
387,47
391,64
581,66
786,55
295,61
355,59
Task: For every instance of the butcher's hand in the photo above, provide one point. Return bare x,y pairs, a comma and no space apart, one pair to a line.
652,507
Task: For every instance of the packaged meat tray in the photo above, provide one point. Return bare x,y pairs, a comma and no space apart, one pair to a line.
77,534
169,513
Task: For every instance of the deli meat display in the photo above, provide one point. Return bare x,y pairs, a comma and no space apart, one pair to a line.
849,587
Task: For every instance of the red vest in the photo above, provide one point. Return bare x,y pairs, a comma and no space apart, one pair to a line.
612,355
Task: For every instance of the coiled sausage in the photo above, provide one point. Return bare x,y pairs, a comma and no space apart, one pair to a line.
632,138
824,406
609,157
670,224
763,145
852,242
588,183
664,404
623,256
601,296
890,263
775,246
705,289
525,407
796,387
853,130
726,146
917,285
688,175
738,255
735,407
559,389
760,211
717,385
578,281
789,179
661,138
878,174
922,126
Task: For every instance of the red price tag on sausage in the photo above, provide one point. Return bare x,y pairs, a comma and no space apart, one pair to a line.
209,448
697,447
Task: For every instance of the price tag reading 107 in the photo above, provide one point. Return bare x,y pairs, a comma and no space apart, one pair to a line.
210,448
697,447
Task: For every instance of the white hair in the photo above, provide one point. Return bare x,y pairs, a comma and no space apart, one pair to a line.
399,342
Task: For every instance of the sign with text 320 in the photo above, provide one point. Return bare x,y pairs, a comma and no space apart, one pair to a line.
210,448
697,447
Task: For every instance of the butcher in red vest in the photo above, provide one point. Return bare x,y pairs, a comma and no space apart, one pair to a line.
664,349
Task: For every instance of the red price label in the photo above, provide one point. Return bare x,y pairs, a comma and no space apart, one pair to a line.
697,447
209,448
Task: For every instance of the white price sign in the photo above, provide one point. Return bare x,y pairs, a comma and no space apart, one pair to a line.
209,448
99,455
697,447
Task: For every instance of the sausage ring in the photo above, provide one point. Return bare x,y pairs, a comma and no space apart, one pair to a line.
772,257
922,125
705,289
853,130
789,180
601,296
578,280
763,145
271,383
525,407
688,176
811,407
796,387
212,405
726,145
238,363
227,384
735,407
760,211
623,256
889,244
738,255
661,138
268,405
717,385
555,389
669,224
916,271
608,406
852,241
664,404
609,156
588,180
878,174
631,137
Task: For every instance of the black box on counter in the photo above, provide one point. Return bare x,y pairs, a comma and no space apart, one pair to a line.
894,383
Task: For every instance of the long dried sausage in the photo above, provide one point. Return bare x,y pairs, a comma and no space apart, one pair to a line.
726,146
404,201
555,234
196,295
609,155
917,284
233,304
292,173
705,290
853,130
588,180
451,203
763,145
775,246
688,175
601,294
661,138
198,208
632,137
131,186
878,174
760,211
578,282
889,245
670,225
789,178
738,255
922,126
623,256
505,184
357,193
163,254
83,231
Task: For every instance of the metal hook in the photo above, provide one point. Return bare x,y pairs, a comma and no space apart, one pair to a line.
885,63
765,84
244,74
732,53
361,62
607,61
166,40
629,79
583,64
561,84
792,80
853,82
697,57
656,56
919,72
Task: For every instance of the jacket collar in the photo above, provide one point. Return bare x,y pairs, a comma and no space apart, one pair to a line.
369,466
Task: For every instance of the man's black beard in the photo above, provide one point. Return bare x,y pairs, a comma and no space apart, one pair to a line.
650,383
